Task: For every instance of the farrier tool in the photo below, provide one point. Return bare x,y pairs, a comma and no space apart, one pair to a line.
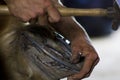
112,12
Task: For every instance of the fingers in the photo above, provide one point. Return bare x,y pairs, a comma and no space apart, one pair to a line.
95,63
27,16
30,9
75,57
91,59
53,13
42,20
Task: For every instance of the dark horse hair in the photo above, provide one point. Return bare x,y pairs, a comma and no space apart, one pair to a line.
35,52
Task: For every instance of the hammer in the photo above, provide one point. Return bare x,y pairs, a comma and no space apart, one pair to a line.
113,12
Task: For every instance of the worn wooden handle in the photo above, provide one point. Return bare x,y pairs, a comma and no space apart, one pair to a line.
68,11
82,12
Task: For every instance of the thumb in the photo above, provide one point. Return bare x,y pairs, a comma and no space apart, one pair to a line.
53,13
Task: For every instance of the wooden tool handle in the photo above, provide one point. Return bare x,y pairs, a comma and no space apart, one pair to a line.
68,11
82,12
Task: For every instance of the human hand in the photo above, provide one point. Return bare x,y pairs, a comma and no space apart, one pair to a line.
80,46
26,10
83,48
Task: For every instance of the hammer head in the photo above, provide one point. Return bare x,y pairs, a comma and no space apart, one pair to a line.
116,21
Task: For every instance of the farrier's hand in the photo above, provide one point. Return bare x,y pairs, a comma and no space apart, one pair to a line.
82,47
29,9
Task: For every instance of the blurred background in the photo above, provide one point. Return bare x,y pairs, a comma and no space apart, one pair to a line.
104,39
95,26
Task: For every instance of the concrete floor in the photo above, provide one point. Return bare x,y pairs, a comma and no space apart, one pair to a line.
109,51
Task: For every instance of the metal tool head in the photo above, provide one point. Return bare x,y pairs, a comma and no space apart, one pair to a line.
116,20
